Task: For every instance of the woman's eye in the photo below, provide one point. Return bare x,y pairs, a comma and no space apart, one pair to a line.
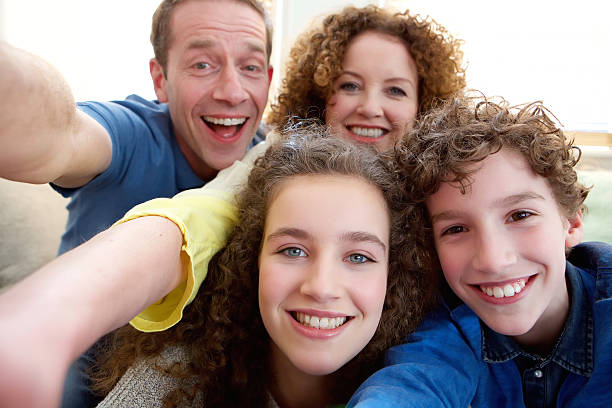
520,215
395,91
358,258
293,252
455,229
348,86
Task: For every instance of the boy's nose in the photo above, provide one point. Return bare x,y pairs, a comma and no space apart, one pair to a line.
321,281
230,88
494,253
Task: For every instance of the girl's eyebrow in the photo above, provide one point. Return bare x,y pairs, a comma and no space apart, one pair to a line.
292,232
355,236
363,236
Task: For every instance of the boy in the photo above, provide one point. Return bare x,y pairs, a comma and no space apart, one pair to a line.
519,324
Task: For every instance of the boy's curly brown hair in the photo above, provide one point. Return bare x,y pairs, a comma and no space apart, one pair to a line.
222,331
315,61
449,140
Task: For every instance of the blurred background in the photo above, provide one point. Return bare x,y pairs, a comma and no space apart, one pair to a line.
524,50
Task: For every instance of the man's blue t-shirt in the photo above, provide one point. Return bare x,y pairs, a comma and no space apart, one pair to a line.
147,163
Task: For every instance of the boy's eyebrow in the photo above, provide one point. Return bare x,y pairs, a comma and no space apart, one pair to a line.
355,236
520,197
503,202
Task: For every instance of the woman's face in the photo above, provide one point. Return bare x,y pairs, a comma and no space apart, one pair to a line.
375,98
323,271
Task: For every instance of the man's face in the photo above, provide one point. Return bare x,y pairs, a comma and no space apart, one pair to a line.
216,82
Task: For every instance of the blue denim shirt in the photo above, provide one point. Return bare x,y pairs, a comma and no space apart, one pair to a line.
443,363
573,351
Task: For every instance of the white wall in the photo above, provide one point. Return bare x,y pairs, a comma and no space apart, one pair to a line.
556,50
101,47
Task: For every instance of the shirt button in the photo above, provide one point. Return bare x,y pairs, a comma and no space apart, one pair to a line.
538,373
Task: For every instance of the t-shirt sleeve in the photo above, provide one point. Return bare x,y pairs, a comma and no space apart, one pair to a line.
117,120
205,221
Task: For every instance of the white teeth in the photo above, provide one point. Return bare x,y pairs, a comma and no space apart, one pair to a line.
323,323
507,290
225,121
366,132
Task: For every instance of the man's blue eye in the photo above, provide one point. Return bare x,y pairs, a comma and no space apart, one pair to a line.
202,65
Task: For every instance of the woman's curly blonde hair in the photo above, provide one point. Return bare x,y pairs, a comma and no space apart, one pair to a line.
448,142
222,331
315,61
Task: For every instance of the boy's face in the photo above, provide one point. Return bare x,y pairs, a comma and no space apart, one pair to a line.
502,247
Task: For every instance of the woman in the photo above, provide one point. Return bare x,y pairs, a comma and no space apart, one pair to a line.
294,310
368,73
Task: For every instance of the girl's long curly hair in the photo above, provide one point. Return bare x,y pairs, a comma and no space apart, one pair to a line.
222,331
315,61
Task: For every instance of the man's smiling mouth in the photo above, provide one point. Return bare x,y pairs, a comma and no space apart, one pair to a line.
224,127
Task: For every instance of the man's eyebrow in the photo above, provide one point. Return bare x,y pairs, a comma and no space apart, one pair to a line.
363,236
200,44
207,43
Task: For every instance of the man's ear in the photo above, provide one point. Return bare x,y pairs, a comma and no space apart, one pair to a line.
159,80
270,72
574,230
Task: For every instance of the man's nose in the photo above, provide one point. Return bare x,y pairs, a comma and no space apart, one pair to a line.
230,88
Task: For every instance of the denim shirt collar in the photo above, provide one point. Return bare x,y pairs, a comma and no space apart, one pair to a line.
574,348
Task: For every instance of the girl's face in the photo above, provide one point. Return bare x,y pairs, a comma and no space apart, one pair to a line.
323,271
375,98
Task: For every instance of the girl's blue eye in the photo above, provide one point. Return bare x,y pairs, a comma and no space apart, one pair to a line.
358,258
293,252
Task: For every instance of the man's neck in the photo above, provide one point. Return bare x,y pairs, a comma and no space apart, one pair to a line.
199,167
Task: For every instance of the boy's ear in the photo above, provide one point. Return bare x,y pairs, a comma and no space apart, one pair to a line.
574,230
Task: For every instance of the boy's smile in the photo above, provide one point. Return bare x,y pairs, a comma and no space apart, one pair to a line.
502,247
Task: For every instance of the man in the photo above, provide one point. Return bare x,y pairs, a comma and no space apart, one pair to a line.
211,76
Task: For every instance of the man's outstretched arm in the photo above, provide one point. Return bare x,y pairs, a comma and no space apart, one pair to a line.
44,137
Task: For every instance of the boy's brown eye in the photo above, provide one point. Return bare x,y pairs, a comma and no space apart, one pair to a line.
455,229
520,215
